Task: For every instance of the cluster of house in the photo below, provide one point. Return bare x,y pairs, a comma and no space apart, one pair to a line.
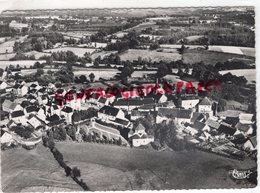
196,117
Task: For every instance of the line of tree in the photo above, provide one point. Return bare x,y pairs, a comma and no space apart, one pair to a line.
74,172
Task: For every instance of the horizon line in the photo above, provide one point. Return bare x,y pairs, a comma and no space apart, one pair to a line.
99,8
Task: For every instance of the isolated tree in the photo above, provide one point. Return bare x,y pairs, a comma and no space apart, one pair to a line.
39,72
162,70
92,77
68,170
83,79
119,142
49,61
1,72
76,172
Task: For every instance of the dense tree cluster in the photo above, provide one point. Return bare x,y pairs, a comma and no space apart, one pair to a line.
22,131
84,115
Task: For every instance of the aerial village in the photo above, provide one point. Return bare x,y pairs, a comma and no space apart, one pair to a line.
33,106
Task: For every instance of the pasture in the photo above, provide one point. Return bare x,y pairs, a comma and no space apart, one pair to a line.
133,54
34,170
245,51
98,72
78,51
22,63
136,169
249,74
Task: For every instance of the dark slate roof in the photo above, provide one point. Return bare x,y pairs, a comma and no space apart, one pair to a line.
55,107
174,112
33,85
16,86
121,121
232,120
17,114
60,91
167,112
205,101
42,90
253,140
25,104
136,136
198,125
121,102
32,108
242,127
134,102
102,100
53,118
112,111
31,97
226,128
32,90
148,101
67,109
196,116
184,113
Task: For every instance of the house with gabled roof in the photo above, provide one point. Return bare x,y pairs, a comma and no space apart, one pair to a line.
6,105
110,113
18,117
205,136
102,101
167,114
246,118
196,116
250,144
205,106
226,129
245,129
10,106
190,130
34,122
188,102
133,103
15,89
200,126
22,90
213,124
43,99
7,139
32,109
136,114
10,124
3,85
54,120
140,137
67,112
41,91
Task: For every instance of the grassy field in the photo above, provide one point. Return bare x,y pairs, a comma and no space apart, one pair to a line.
78,51
249,74
98,72
36,54
22,63
133,54
208,57
33,171
225,49
7,56
190,55
106,167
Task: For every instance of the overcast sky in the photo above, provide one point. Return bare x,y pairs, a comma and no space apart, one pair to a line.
61,4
